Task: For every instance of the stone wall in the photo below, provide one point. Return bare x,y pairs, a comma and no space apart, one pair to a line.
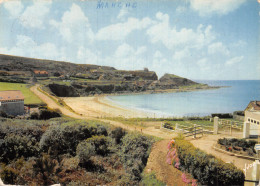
13,108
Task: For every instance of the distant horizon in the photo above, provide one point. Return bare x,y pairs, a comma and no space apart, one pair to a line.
192,38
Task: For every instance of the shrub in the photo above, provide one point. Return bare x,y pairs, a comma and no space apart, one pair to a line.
10,173
242,143
150,179
46,170
84,151
14,146
65,138
100,143
222,115
117,134
168,126
135,152
207,169
48,114
3,114
34,115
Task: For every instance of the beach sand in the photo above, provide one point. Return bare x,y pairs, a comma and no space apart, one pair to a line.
100,106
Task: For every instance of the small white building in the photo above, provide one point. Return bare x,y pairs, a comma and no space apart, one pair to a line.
252,119
12,102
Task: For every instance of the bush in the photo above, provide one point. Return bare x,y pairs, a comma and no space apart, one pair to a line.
117,134
100,143
222,115
84,151
10,173
168,126
48,114
207,169
34,115
234,142
14,146
3,114
65,138
32,129
135,152
150,179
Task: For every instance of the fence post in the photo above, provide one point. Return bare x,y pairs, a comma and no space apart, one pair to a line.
256,170
215,125
176,127
230,128
194,130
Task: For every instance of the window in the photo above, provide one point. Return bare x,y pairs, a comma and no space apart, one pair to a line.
249,119
254,121
258,123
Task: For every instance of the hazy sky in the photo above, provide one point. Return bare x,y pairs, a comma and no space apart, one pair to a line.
197,39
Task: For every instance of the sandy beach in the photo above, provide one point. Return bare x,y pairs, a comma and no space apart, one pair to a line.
100,106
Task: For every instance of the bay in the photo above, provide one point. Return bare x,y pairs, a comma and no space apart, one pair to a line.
235,97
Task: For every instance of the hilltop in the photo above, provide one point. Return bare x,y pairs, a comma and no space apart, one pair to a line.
67,79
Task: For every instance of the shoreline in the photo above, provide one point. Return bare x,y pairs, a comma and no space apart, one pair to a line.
101,106
161,91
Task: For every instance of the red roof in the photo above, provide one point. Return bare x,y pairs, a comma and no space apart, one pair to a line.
10,95
40,72
254,105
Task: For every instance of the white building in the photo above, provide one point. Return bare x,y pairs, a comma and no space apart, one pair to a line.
12,102
252,119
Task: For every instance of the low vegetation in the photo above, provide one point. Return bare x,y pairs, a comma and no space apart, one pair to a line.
206,169
71,152
240,146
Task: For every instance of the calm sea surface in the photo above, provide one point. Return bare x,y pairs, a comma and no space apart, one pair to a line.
197,103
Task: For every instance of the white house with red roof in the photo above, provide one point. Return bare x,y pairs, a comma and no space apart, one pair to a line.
12,102
252,119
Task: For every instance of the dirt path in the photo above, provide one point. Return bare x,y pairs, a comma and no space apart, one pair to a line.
206,142
157,163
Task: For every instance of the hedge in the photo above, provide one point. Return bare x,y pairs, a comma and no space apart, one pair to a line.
207,169
135,150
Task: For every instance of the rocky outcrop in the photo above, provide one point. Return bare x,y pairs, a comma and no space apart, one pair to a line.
63,90
169,81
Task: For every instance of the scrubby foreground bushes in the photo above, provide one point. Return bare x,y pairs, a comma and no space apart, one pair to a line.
239,145
207,169
70,152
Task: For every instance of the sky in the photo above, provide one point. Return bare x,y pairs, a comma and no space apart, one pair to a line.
196,39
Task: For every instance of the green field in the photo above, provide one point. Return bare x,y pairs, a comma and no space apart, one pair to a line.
30,97
205,123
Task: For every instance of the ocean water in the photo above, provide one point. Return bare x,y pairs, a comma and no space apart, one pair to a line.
197,103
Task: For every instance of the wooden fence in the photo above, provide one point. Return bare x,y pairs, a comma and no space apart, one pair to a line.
190,131
224,123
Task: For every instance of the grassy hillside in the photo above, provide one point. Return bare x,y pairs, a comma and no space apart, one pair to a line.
30,98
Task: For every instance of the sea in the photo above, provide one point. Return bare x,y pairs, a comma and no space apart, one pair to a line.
235,96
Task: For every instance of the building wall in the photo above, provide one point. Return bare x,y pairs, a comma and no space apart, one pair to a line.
13,108
253,117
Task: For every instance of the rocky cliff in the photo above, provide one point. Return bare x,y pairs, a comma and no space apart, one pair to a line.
69,79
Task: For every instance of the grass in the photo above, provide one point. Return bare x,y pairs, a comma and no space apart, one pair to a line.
204,123
150,179
30,97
